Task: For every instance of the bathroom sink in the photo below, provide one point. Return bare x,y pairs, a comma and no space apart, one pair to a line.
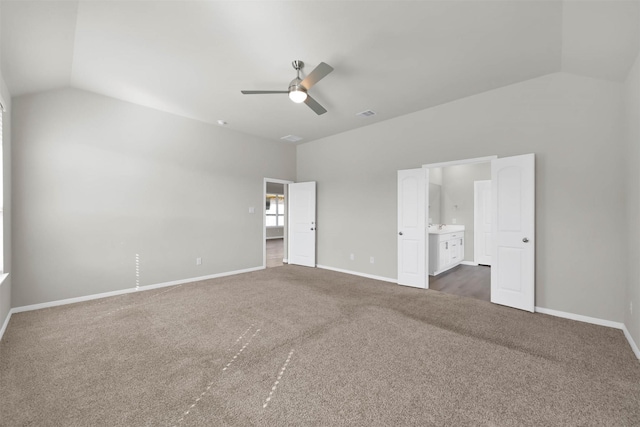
445,228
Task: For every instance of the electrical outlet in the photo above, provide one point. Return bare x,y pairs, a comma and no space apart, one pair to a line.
371,260
252,209
454,221
198,261
352,257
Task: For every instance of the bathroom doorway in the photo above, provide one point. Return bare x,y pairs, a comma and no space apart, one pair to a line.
512,204
452,214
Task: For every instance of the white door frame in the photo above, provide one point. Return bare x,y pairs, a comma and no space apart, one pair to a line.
486,159
264,215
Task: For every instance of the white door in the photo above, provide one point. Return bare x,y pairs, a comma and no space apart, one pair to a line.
302,224
412,247
482,222
513,204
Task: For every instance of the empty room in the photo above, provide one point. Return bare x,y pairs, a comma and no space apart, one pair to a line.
327,213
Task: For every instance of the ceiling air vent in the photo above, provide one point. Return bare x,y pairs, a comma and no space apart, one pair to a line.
291,138
366,113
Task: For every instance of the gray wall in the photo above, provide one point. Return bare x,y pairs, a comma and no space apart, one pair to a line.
97,181
632,138
572,124
457,199
275,232
275,188
435,196
435,205
5,287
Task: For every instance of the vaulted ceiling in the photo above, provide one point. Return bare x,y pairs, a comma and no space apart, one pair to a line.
392,57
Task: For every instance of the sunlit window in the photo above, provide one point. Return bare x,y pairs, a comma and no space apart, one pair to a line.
275,210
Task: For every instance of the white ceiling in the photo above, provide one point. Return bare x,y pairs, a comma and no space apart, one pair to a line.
393,57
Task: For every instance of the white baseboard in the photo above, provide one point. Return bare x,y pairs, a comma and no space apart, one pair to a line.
356,273
632,343
129,290
595,321
66,301
274,237
5,324
580,318
6,320
471,263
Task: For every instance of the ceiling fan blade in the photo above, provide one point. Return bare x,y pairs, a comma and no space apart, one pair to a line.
313,104
262,92
316,75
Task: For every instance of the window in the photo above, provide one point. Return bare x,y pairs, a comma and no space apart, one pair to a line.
275,210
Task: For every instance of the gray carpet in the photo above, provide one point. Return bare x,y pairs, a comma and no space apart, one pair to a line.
298,346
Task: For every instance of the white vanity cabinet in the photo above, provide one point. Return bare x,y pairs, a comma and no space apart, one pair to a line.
446,250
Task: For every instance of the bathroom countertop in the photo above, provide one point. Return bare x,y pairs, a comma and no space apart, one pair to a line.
435,229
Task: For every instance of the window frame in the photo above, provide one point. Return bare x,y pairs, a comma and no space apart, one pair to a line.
280,210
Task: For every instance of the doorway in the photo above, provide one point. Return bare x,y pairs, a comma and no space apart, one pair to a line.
275,215
452,217
512,230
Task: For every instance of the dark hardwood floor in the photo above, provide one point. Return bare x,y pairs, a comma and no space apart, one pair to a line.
464,280
275,252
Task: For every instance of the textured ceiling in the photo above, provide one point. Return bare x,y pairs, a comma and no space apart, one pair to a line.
193,58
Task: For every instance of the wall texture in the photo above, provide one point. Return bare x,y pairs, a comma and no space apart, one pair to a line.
632,139
97,181
572,124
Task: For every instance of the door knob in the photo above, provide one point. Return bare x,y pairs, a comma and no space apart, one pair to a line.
525,240
400,233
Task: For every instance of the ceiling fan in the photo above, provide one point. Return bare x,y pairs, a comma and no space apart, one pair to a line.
298,88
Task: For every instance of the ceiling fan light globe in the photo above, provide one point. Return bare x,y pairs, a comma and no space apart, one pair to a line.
298,96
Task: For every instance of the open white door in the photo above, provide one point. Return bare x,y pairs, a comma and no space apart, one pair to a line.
513,224
302,224
482,222
412,245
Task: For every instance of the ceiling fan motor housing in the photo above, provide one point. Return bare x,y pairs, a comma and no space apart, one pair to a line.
297,92
296,86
